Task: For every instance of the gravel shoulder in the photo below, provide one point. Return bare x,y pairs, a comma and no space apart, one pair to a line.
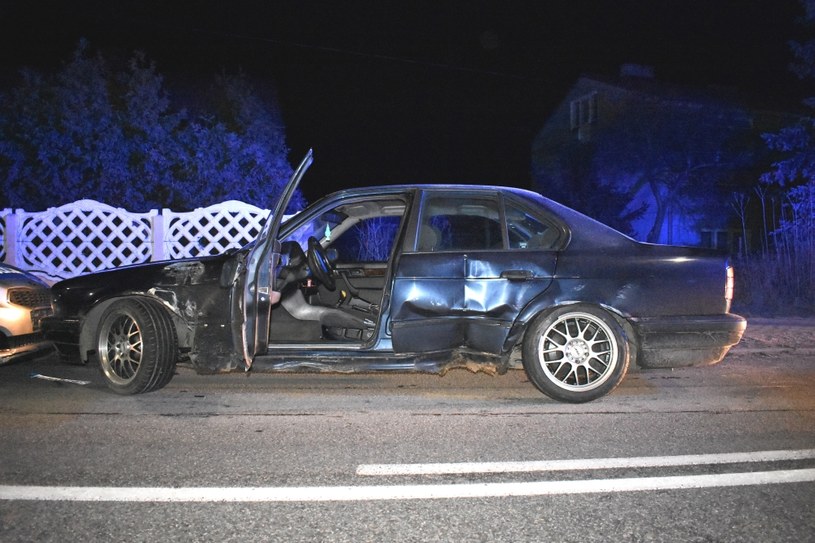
770,335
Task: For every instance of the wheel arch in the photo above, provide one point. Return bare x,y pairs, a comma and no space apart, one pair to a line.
541,311
90,323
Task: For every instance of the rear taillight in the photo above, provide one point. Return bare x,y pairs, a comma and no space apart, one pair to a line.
728,288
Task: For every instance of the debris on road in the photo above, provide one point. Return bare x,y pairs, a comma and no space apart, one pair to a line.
59,379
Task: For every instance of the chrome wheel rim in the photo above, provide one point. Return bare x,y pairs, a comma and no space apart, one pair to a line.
578,352
120,349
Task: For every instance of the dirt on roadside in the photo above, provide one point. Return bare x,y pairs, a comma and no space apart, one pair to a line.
783,333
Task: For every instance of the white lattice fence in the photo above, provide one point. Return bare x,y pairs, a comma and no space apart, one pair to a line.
3,214
88,236
82,237
211,230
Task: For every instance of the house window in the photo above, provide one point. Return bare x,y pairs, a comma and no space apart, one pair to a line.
584,111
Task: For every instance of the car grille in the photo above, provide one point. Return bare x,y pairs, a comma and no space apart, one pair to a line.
30,297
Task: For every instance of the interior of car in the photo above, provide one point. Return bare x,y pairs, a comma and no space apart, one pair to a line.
334,265
335,261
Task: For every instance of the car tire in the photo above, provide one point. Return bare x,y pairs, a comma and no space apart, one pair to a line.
137,346
576,353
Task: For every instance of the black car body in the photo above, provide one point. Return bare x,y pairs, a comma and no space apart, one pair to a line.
410,278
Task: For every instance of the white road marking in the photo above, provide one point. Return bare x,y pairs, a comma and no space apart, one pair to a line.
406,492
584,463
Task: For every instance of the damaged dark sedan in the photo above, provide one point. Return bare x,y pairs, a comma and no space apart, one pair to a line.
410,278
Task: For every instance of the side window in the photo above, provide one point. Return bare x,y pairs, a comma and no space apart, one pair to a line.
527,231
369,240
460,224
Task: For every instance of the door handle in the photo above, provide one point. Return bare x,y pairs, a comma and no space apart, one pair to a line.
517,275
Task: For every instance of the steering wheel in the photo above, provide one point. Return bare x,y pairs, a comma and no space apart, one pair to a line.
319,264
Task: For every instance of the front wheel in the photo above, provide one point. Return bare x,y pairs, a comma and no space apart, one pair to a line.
576,353
136,346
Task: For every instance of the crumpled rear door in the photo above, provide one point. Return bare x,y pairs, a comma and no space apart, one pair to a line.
469,274
451,300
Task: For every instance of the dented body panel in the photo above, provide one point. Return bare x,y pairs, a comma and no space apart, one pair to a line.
190,290
464,300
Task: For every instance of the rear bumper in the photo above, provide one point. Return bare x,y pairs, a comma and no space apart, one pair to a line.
670,342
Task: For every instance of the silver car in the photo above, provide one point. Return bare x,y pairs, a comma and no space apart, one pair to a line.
24,301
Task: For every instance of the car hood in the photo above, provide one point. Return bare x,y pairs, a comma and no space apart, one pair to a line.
13,276
144,277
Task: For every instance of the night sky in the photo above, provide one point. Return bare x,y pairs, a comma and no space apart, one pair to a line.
421,92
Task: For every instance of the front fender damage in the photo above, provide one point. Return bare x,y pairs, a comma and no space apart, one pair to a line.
201,320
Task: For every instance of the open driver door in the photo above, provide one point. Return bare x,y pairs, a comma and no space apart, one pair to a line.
258,291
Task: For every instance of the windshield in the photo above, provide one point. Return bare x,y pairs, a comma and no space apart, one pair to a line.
321,227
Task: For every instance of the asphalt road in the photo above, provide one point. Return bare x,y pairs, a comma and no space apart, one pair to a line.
725,453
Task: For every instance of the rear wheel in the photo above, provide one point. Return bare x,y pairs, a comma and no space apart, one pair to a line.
576,353
136,346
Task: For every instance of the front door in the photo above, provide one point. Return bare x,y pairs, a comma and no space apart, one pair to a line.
258,294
